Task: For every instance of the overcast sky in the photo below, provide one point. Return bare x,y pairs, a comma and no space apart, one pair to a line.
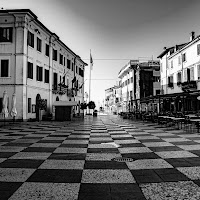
115,30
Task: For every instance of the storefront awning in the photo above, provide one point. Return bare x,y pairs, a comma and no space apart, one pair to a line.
65,103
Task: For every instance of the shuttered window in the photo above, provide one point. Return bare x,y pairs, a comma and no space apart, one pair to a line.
198,49
198,71
192,73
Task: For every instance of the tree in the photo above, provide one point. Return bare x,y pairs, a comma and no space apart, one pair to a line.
91,105
83,106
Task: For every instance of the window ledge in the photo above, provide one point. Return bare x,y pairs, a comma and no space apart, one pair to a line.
5,77
5,42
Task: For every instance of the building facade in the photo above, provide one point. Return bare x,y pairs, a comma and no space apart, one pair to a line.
113,99
35,64
140,79
180,75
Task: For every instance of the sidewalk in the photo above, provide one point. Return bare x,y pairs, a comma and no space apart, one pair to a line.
98,158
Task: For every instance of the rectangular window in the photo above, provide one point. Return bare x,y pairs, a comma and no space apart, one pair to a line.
30,70
131,79
72,66
68,63
128,81
157,92
178,78
4,68
170,81
188,75
30,39
6,34
1,106
64,61
184,57
61,59
29,105
46,76
198,71
171,63
192,73
76,69
39,44
47,50
55,81
55,55
198,49
39,73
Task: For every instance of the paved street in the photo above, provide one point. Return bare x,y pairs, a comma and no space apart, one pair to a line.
82,160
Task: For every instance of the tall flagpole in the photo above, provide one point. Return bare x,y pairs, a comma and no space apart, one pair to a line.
90,79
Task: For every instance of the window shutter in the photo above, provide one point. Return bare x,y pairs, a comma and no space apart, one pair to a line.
192,73
185,75
198,49
198,71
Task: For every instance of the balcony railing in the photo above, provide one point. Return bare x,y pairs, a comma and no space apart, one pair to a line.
189,85
170,85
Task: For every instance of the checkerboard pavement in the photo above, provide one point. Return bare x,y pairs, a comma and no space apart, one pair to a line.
74,160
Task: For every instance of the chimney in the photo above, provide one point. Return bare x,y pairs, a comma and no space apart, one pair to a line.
192,35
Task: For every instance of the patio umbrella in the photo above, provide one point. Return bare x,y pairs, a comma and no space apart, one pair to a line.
13,112
5,105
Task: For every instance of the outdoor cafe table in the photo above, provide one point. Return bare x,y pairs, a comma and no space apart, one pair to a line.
197,122
176,120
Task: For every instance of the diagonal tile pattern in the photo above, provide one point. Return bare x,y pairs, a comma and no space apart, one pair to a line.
75,160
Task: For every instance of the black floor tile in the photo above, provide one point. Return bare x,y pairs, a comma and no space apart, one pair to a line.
56,176
124,188
142,172
6,140
173,177
7,189
166,148
50,141
74,145
7,154
67,156
166,171
128,196
39,149
18,144
132,145
115,165
153,178
21,163
97,191
102,150
141,156
177,162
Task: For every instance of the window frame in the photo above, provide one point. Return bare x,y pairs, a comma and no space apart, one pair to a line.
8,67
39,73
4,39
29,105
30,72
46,80
55,55
39,45
30,39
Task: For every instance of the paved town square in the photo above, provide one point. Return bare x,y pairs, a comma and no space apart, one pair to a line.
83,159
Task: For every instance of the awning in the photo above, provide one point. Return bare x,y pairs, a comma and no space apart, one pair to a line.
65,103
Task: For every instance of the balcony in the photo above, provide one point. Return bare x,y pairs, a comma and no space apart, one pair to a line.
171,85
60,89
189,86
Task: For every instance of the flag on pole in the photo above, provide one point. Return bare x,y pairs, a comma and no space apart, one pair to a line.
91,61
